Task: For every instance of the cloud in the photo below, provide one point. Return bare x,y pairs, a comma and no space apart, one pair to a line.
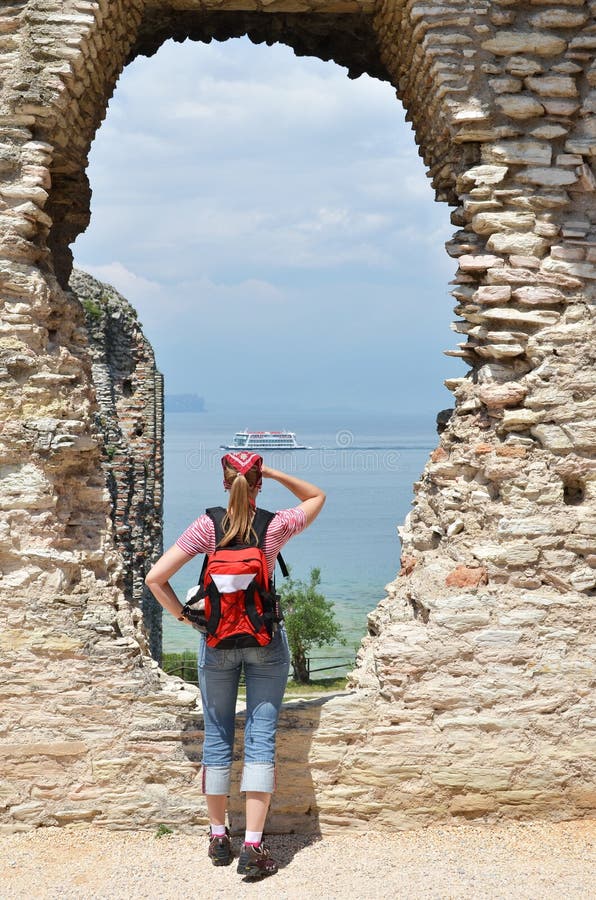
245,193
253,155
238,83
342,221
130,285
189,302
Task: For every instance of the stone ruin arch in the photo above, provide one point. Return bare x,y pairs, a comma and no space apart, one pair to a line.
473,693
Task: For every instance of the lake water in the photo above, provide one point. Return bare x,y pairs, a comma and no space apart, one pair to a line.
365,462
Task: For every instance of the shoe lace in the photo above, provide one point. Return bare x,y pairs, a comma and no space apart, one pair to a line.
218,837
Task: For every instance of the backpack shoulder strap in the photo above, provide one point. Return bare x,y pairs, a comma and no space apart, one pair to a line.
282,565
260,523
216,514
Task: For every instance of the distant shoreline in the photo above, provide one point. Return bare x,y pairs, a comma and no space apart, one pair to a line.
184,403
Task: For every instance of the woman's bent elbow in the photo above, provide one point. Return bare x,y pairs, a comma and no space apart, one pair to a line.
313,506
150,579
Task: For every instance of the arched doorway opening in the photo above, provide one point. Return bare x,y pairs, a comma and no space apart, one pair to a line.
241,191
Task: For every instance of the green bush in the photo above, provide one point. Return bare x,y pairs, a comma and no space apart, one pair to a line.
309,620
182,664
92,309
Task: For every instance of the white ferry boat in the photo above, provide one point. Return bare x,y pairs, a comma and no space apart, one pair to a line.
264,440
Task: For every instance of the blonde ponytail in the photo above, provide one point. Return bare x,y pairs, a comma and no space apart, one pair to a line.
237,522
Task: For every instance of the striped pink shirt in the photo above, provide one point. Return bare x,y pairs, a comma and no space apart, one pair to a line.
200,536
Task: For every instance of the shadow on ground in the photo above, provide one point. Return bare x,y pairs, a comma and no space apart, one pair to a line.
294,811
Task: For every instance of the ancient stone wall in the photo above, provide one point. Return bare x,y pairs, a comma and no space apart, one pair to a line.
481,657
474,691
129,392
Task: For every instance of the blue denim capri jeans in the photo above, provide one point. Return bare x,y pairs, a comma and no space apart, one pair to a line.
266,672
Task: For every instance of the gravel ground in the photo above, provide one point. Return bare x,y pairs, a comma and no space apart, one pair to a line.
521,861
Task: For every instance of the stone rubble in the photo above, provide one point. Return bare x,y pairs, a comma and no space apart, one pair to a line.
473,696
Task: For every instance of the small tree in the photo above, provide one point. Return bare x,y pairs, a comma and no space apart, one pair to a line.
309,620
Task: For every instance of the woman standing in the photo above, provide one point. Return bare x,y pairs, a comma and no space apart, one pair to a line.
265,667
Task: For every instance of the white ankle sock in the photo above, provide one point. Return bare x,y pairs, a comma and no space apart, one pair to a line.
218,830
253,837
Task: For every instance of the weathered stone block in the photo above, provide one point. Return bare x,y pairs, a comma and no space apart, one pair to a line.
520,152
516,553
512,451
492,294
43,748
582,434
479,263
520,106
568,253
558,18
528,262
522,66
538,295
553,85
508,43
547,229
549,132
554,176
555,107
582,270
519,419
529,526
483,175
471,805
25,487
586,180
506,84
492,222
522,617
514,242
497,396
466,576
498,636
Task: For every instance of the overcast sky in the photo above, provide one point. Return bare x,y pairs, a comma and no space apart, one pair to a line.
272,223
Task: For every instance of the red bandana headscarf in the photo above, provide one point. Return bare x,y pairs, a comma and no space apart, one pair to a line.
242,462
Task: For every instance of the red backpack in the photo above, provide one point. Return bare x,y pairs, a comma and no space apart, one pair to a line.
241,608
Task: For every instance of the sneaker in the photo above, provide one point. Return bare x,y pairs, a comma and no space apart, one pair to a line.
220,849
256,862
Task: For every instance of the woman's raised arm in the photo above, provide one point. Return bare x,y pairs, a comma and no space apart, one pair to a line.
312,497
